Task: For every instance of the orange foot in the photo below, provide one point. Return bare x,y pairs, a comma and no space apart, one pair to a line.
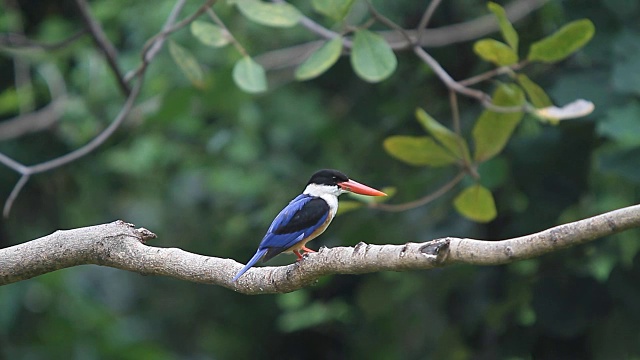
307,250
298,255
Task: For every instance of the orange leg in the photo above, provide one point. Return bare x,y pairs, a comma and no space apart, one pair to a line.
298,255
307,250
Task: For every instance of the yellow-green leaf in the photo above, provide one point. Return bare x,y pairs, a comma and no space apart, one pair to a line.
495,51
335,9
321,60
493,129
249,75
476,203
9,100
508,32
447,138
564,42
187,63
269,14
535,93
418,151
371,56
210,34
348,205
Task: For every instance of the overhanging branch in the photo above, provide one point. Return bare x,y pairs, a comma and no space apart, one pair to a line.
121,245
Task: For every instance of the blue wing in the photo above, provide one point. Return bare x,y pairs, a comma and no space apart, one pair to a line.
295,222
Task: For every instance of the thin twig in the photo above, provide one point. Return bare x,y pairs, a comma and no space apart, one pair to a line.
27,171
444,76
22,66
13,40
434,37
212,14
424,21
312,25
103,43
447,79
43,117
14,194
383,19
14,165
455,119
493,73
153,46
149,51
422,201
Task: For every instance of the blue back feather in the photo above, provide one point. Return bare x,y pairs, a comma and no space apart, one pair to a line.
273,243
285,241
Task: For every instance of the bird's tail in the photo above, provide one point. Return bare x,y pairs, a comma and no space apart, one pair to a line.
259,254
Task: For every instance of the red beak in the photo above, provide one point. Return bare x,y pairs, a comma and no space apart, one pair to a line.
356,187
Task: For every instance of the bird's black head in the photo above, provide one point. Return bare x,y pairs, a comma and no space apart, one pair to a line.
328,177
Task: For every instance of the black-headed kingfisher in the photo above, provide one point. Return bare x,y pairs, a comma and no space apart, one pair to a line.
306,216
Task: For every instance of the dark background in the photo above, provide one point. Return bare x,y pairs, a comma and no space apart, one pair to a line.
207,169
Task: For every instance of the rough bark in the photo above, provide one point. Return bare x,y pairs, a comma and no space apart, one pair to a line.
121,245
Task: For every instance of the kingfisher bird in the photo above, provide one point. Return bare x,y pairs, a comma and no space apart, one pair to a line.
307,216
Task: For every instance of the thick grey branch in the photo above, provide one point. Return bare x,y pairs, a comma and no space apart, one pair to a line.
429,38
121,246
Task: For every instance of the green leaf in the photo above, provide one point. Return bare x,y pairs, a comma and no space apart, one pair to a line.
495,51
508,32
476,203
418,151
348,205
564,42
249,75
275,15
371,56
335,9
321,60
9,101
187,63
535,93
210,34
493,129
447,138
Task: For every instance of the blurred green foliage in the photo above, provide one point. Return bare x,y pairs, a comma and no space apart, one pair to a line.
206,168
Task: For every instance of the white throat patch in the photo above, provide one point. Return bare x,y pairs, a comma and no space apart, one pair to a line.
327,193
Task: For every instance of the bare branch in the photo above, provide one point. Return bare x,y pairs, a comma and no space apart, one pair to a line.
212,14
120,245
493,73
422,201
76,154
149,52
314,26
426,17
14,194
13,40
154,45
434,37
101,40
43,118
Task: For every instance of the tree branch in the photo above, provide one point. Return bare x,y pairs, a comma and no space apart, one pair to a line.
102,42
429,38
121,245
42,118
